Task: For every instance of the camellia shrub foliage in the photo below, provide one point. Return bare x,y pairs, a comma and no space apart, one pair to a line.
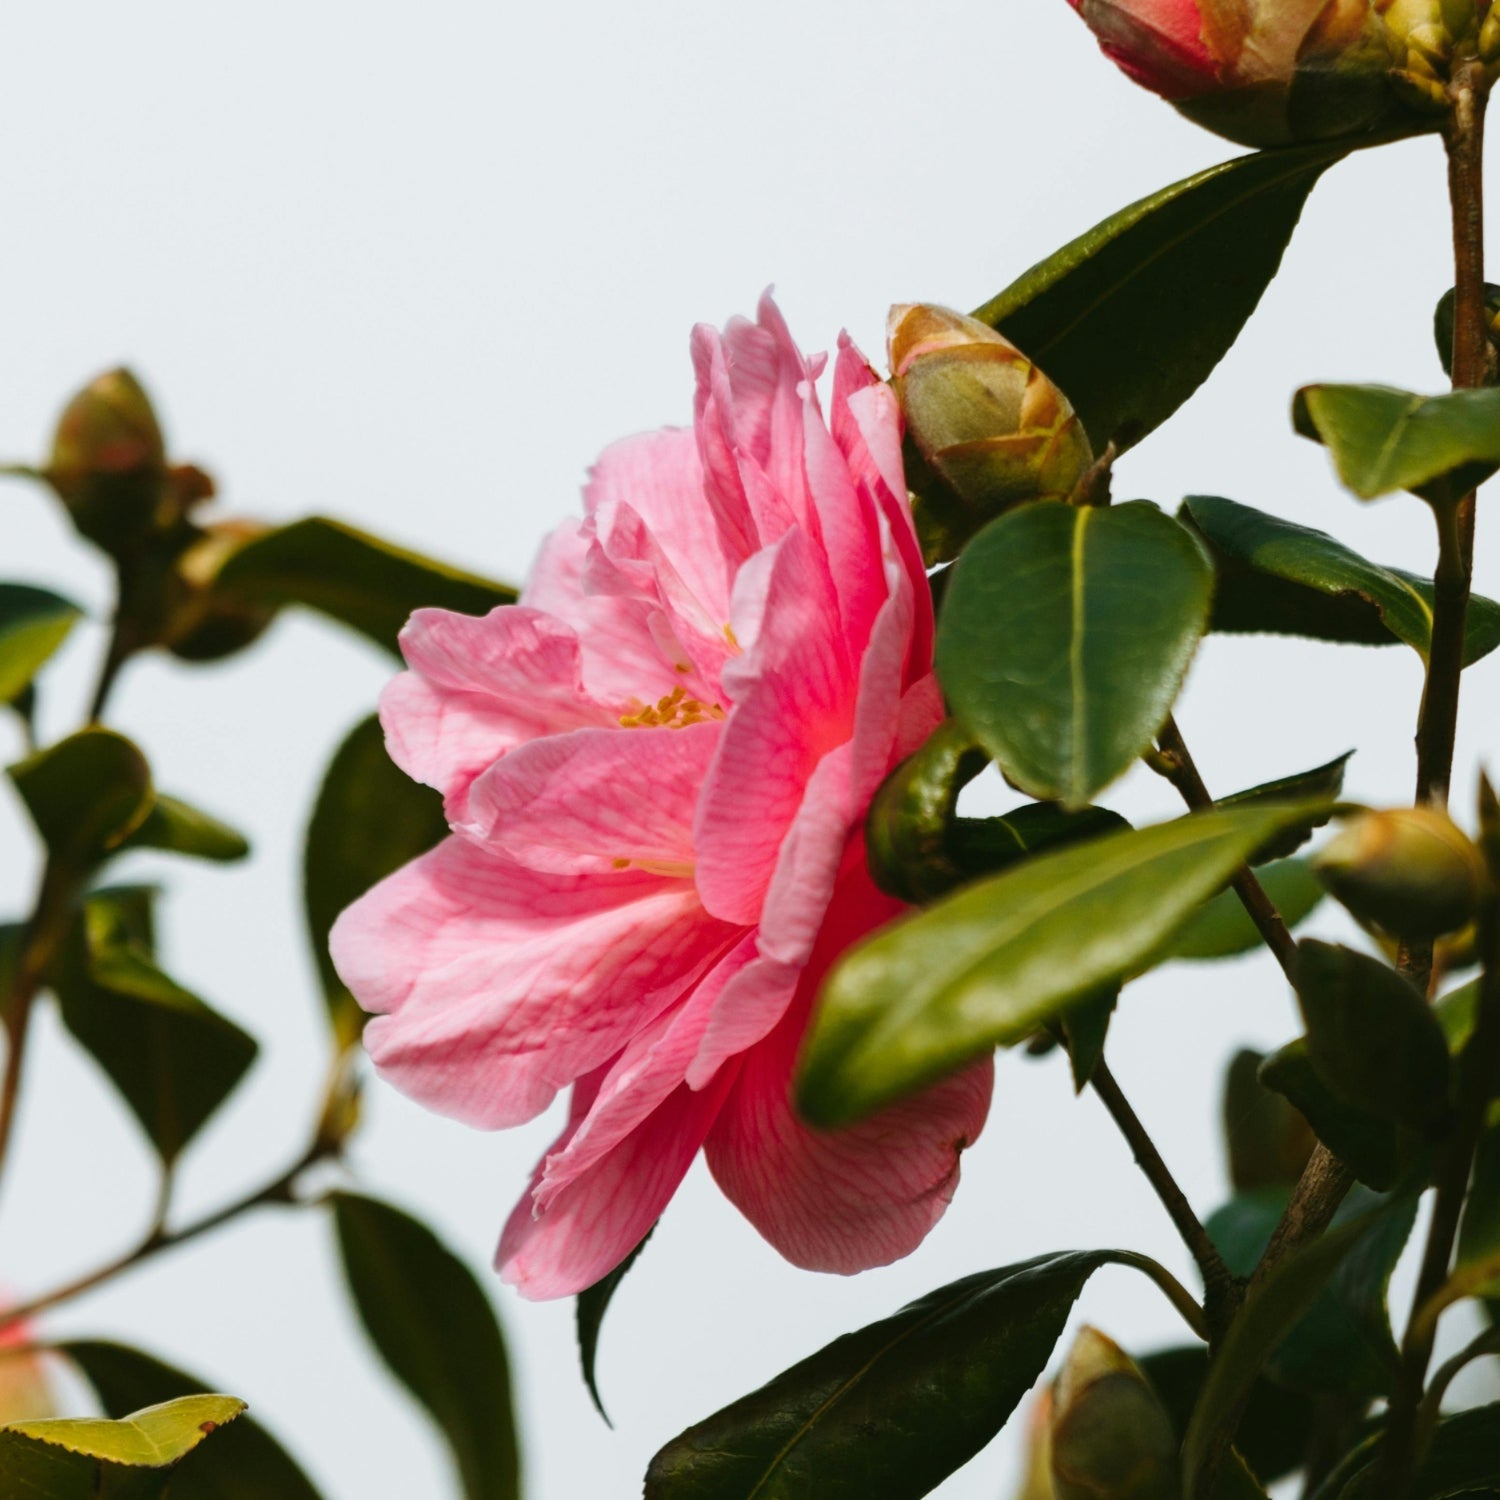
675,832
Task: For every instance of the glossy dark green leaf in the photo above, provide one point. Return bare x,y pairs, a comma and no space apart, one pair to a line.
1221,927
1130,318
1278,577
1479,1233
991,963
243,1463
173,1059
1372,1037
1383,440
370,819
1323,783
589,1308
1268,1315
888,1412
352,577
1378,1153
1343,1344
180,828
86,794
1065,637
89,1458
1274,1432
1085,1028
33,624
434,1327
1462,1464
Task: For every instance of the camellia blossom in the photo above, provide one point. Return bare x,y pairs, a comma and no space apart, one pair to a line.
1261,72
656,768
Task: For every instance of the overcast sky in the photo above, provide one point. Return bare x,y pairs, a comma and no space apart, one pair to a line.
414,266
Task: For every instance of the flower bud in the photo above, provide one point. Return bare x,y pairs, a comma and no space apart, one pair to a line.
1261,72
109,463
1410,870
25,1394
993,430
1111,1437
1036,1480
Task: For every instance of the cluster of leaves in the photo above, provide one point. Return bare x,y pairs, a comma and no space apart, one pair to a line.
204,590
1066,627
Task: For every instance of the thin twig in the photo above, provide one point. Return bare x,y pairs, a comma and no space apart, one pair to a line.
1221,1290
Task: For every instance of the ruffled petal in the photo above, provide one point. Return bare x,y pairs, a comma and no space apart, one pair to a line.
793,695
595,799
593,1223
479,686
849,1199
495,985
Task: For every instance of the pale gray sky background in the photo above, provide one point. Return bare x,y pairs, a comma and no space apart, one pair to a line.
414,266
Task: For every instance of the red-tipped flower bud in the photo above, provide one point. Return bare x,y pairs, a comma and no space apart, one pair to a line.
1111,1437
990,426
1261,72
1410,870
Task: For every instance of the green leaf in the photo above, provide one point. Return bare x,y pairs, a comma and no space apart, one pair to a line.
173,1059
1383,440
132,1459
1065,637
991,963
1267,1139
1221,928
1372,1038
1323,783
589,1308
370,819
1130,318
1085,1029
435,1329
1457,1013
1378,1153
1276,576
352,577
1343,1344
180,828
888,1412
1273,1433
33,624
244,1463
86,794
1269,1313
1479,1233
1464,1461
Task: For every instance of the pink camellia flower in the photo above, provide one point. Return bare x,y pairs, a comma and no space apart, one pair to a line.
656,768
1262,72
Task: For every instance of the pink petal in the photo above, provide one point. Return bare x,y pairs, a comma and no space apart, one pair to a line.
496,986
650,1068
850,1199
595,799
477,687
659,477
793,695
597,1219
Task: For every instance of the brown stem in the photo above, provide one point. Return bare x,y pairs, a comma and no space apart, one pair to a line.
1221,1291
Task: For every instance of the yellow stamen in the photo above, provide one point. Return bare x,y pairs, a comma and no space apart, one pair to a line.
675,711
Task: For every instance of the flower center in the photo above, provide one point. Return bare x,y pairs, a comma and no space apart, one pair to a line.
675,711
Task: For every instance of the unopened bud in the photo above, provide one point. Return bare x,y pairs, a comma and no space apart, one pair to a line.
109,463
1036,1481
986,421
1410,870
1111,1437
1489,39
25,1392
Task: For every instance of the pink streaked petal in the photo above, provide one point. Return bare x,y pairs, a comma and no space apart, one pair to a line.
594,1222
594,799
843,912
659,477
478,687
845,1200
495,985
922,710
653,1064
792,692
